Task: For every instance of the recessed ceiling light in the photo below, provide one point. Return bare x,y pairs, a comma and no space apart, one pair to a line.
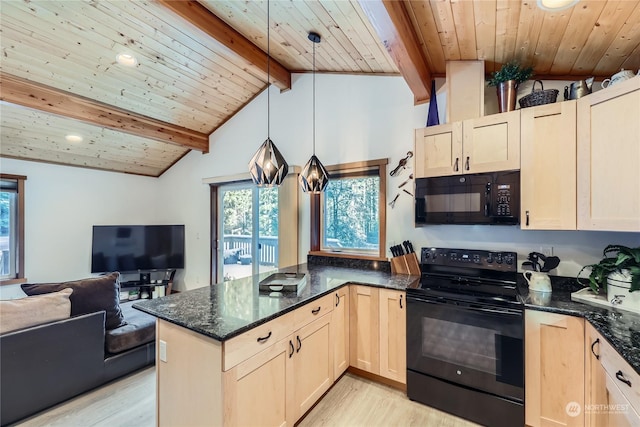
73,138
556,5
126,59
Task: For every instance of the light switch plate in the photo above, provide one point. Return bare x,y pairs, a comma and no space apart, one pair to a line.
163,351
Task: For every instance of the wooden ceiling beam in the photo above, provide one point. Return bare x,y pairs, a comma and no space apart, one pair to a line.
229,40
16,90
392,23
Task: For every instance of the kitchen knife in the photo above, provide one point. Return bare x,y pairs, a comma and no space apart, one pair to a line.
406,246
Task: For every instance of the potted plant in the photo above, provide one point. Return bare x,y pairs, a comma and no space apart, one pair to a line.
506,81
620,265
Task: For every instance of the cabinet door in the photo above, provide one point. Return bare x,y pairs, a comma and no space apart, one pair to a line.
608,158
438,150
364,329
340,329
548,167
393,335
491,143
595,379
620,413
554,369
313,364
255,391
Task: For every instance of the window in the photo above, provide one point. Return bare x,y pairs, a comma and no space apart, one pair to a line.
11,229
349,217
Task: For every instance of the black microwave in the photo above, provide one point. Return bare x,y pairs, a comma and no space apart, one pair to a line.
483,198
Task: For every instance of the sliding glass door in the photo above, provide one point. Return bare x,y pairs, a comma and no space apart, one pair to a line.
247,230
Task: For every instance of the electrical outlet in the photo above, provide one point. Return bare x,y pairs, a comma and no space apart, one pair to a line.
163,351
546,250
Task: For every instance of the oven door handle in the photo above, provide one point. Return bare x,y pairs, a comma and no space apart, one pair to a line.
465,306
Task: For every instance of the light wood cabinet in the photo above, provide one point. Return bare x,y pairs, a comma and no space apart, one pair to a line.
340,326
612,395
364,328
312,364
548,167
554,369
256,392
486,144
608,150
393,335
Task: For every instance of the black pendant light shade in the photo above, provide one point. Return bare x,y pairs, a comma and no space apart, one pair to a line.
314,177
267,167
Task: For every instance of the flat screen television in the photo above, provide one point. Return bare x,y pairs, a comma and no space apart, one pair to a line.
132,248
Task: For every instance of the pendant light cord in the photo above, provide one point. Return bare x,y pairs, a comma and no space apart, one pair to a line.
268,74
314,98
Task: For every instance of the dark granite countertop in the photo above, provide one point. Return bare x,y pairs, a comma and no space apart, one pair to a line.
620,328
228,309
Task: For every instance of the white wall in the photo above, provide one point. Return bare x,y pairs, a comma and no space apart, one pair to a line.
357,118
61,206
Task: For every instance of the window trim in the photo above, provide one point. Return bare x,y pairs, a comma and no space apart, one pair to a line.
20,278
315,247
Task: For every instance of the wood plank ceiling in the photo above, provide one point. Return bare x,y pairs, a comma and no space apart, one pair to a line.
198,63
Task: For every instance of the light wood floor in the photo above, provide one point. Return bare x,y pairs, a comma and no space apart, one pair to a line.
353,401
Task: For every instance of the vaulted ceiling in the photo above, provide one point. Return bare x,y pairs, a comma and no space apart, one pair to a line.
198,63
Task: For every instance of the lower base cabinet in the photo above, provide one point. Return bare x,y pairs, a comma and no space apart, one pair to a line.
554,369
612,387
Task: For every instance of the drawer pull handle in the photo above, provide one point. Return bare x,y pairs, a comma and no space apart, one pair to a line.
593,351
620,376
299,344
263,339
337,299
291,348
316,311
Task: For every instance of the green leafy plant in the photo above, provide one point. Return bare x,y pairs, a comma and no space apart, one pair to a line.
510,71
615,259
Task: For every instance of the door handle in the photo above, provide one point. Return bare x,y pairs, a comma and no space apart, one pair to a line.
291,349
400,301
620,376
527,213
299,344
263,339
593,345
337,299
455,166
467,163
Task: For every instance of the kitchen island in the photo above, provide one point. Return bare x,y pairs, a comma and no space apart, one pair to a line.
229,354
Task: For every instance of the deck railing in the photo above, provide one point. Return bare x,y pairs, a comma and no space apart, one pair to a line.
268,247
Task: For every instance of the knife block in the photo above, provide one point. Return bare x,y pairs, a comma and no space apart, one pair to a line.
405,264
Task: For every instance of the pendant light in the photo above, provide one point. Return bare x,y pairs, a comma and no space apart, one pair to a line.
267,167
314,177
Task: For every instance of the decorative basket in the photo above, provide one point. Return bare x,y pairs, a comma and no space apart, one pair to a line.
538,97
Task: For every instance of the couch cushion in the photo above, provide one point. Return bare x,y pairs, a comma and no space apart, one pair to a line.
140,329
89,295
30,311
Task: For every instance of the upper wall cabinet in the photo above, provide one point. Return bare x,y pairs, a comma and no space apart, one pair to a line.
548,166
485,144
608,131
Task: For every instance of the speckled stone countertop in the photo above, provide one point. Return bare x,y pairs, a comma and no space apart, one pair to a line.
620,327
225,310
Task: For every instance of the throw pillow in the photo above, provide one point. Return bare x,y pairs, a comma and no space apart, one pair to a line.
31,311
89,295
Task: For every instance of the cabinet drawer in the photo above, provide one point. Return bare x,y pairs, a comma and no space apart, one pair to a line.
618,369
252,342
314,310
620,413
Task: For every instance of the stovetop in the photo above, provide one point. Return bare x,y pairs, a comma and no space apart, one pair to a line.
479,276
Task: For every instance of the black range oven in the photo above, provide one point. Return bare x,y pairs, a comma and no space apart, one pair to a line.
465,336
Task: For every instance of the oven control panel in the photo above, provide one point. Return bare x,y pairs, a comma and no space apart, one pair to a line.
470,258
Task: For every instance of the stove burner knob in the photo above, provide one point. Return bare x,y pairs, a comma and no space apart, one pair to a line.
509,261
489,259
427,255
499,260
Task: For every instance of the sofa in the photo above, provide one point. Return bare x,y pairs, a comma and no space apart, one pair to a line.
64,339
